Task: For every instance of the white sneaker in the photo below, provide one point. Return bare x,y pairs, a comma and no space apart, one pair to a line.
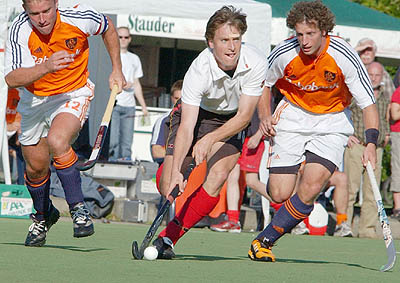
343,230
300,229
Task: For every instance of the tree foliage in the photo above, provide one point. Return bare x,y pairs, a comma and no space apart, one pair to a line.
390,7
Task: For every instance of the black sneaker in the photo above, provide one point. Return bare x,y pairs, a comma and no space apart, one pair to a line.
165,248
52,216
37,233
83,225
38,230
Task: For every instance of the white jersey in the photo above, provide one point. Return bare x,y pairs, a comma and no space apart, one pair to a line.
132,69
209,87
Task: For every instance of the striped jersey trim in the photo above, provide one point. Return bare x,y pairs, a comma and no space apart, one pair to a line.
88,15
284,48
362,75
15,47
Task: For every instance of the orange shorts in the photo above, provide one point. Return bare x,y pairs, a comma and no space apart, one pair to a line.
250,159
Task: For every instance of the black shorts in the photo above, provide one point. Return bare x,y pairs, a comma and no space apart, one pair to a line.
206,123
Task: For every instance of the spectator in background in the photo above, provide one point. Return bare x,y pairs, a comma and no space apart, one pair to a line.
340,201
353,166
395,156
396,79
160,131
123,116
367,49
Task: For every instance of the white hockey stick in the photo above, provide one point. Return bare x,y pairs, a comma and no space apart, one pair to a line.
387,233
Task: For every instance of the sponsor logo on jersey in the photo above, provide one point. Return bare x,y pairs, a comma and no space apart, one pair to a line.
312,86
71,43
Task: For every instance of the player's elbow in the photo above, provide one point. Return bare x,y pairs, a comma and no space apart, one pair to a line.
10,82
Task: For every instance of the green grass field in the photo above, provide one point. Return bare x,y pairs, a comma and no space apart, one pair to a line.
202,256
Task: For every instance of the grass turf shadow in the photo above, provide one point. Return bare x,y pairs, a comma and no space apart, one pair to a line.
290,260
70,248
204,257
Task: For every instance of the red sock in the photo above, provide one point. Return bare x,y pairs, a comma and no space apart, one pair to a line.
198,205
233,215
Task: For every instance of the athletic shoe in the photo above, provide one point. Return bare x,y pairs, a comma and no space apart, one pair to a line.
165,248
300,229
38,230
260,250
83,225
343,230
227,226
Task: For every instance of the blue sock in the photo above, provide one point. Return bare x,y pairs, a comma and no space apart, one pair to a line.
70,179
39,191
291,213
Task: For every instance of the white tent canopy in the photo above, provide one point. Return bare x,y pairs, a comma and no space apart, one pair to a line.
182,19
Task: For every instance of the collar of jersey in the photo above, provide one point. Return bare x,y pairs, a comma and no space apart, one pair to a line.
217,73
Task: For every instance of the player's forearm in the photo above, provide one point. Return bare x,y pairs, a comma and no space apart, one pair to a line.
371,117
157,151
139,93
264,104
111,41
25,76
395,111
239,121
395,116
183,141
230,128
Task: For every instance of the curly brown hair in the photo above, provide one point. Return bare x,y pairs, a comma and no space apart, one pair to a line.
227,14
311,12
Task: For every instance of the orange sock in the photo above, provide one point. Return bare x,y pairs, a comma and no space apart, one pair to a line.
340,218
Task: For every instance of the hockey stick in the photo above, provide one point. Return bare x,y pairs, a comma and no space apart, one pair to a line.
138,253
101,134
387,233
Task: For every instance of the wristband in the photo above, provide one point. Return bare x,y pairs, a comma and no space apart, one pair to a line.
371,136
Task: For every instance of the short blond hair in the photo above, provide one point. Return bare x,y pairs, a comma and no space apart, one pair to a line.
176,86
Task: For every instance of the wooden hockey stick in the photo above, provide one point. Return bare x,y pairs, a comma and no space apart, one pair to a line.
101,134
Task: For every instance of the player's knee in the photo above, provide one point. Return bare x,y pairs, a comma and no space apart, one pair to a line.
277,194
218,176
279,198
57,144
36,172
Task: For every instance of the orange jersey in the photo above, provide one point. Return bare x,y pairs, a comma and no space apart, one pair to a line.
12,103
27,47
325,84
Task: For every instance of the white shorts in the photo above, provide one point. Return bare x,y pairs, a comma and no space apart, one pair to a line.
298,131
38,112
